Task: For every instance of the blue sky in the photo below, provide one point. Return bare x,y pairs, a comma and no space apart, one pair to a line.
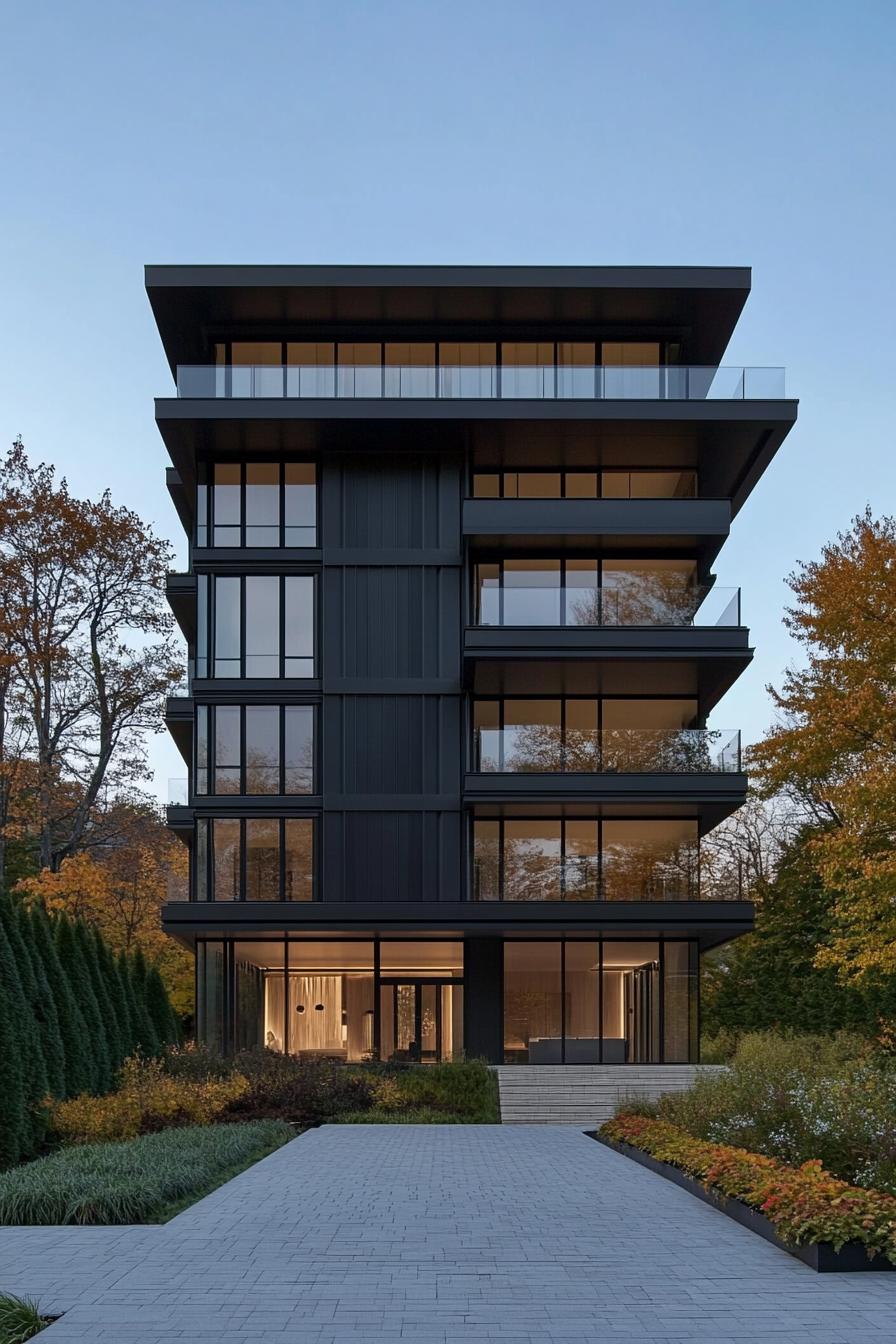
679,132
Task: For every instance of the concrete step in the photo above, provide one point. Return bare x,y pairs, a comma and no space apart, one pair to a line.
584,1094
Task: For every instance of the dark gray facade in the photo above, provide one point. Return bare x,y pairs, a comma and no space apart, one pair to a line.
454,639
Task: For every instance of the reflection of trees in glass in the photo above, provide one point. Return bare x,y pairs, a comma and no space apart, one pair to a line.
541,747
532,868
638,597
658,871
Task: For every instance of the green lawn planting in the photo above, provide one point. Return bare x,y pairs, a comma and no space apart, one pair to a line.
139,1181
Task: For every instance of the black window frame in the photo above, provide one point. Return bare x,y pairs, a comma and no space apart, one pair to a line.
206,720
205,506
208,822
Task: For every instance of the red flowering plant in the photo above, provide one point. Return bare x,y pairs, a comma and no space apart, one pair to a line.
806,1205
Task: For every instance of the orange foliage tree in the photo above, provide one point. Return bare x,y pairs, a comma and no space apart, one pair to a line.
834,748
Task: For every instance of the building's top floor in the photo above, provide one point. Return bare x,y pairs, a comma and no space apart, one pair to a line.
685,313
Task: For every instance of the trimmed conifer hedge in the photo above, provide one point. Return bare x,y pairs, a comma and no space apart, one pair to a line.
71,1013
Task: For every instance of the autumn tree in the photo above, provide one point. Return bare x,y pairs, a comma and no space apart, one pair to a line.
86,650
833,750
119,888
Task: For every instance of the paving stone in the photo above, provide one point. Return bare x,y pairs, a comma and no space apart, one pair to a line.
411,1234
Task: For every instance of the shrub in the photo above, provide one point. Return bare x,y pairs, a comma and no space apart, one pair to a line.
468,1091
420,1115
289,1089
195,1061
20,1319
148,1099
132,1182
805,1205
800,1098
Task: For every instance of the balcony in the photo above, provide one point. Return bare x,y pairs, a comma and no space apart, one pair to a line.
540,748
480,383
644,603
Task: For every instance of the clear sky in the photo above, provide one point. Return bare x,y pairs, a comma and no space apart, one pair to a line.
501,131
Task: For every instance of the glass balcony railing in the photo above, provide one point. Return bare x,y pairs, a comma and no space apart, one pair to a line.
673,382
178,793
540,748
642,605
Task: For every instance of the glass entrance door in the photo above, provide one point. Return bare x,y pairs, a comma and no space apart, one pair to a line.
419,1020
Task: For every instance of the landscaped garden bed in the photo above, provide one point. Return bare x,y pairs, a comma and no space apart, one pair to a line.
142,1180
826,1222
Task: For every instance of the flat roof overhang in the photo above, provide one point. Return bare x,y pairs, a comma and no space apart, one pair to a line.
734,441
710,922
572,660
708,798
180,593
698,305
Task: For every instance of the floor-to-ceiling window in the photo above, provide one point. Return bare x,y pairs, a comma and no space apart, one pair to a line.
591,1001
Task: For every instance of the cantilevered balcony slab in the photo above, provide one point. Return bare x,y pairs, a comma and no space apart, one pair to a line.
703,661
696,526
710,797
711,922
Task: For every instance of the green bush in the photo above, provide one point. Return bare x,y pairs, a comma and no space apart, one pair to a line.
468,1091
800,1098
306,1093
135,1181
20,1319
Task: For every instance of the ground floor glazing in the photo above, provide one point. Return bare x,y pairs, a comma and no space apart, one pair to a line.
582,1000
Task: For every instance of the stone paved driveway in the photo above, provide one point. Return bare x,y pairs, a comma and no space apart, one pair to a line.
365,1234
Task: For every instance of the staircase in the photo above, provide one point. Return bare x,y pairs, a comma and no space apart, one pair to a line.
584,1095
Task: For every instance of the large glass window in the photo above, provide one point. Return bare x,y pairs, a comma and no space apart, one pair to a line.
252,504
210,995
586,591
585,859
238,749
533,1003
582,735
680,1044
257,626
254,859
590,1001
330,999
582,482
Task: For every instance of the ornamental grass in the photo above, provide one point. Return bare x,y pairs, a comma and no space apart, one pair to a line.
806,1205
136,1181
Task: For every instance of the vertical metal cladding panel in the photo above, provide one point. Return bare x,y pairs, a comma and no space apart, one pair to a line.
391,856
393,744
388,501
392,621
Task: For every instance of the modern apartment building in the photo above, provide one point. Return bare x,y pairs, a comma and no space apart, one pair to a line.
454,641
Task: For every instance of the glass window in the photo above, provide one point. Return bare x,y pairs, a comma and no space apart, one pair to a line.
486,861
312,354
580,485
227,505
268,353
330,1000
533,485
226,860
227,627
680,1044
532,592
262,504
488,594
262,625
647,860
631,369
486,485
630,995
298,876
582,595
262,859
227,749
468,354
200,860
202,751
202,620
532,738
533,1008
299,626
299,745
581,865
210,984
533,860
300,504
258,985
649,592
582,983
262,748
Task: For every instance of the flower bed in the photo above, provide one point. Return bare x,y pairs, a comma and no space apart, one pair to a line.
804,1205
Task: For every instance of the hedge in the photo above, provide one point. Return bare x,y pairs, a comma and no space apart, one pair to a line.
70,1014
805,1204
